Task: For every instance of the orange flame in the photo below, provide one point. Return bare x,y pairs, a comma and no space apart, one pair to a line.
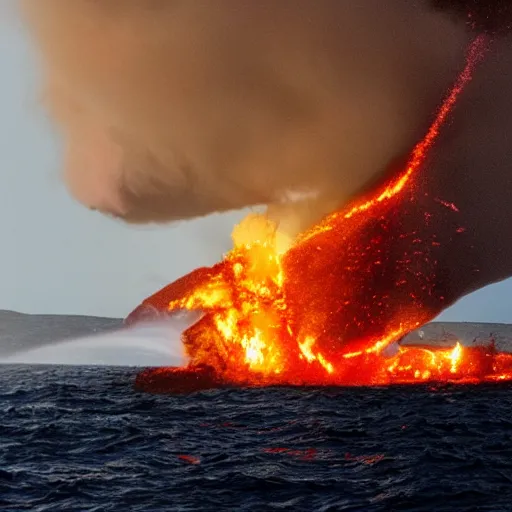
260,326
475,54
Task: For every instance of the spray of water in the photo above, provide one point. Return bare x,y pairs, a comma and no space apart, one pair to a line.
152,343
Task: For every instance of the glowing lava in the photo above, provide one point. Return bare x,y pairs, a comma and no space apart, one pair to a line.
323,312
411,365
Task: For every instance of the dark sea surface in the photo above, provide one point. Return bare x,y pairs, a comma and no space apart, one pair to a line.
81,439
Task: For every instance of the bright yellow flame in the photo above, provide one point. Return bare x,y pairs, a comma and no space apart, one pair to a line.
305,348
328,366
254,347
350,355
455,357
246,308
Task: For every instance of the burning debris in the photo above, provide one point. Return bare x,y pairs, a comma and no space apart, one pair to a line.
411,365
324,311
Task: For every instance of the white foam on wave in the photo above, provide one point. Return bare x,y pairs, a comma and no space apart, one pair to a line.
155,343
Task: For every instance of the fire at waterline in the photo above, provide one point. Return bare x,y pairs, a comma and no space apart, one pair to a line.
320,312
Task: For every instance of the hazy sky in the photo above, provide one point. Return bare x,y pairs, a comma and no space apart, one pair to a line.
57,257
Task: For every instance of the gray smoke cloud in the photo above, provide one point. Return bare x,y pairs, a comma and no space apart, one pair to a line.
176,109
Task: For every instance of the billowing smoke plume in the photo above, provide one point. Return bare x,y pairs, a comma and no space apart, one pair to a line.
174,109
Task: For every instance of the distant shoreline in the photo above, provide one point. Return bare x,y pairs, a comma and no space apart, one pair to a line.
9,312
24,331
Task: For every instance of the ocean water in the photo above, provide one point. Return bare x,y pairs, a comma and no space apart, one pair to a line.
82,439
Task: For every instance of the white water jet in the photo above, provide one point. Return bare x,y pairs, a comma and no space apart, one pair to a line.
155,343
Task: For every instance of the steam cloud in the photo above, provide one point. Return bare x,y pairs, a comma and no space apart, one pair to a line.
174,109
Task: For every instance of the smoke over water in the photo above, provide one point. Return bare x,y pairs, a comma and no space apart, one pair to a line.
173,110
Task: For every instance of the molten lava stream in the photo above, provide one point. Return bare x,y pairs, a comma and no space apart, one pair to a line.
321,313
